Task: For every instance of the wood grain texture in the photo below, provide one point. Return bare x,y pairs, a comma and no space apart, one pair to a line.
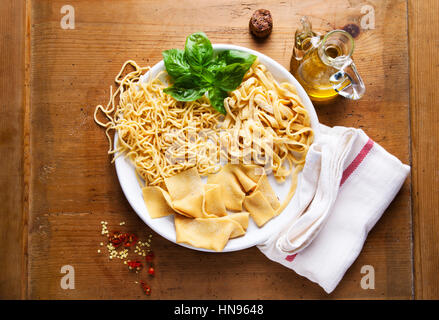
13,232
73,185
424,97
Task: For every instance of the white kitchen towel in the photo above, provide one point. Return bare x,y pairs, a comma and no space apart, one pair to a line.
347,183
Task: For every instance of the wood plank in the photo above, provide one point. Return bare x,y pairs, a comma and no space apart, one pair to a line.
424,97
12,79
73,186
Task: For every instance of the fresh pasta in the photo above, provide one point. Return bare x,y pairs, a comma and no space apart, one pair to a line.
267,123
172,144
160,135
199,210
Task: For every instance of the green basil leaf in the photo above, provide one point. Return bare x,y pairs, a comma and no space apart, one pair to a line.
213,67
185,94
235,56
198,50
190,81
207,76
216,97
230,77
196,71
175,63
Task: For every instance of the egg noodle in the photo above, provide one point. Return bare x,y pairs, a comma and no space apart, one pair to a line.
272,119
146,120
266,124
274,113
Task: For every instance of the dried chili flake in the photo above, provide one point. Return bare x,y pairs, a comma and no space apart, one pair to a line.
134,265
130,240
117,238
146,289
149,257
126,239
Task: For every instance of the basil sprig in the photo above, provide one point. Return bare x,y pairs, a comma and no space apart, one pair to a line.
197,70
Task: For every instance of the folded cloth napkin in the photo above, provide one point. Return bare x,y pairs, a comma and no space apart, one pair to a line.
346,184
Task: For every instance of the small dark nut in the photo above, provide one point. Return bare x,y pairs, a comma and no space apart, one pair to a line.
261,23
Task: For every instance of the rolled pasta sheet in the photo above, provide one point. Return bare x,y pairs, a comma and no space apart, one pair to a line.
242,218
230,187
156,203
213,200
210,233
265,188
187,192
259,208
187,196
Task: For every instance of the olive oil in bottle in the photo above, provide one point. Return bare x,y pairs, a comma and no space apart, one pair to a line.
313,73
323,64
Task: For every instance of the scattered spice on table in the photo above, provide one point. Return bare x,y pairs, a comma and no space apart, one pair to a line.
116,238
135,265
119,246
149,257
145,287
130,240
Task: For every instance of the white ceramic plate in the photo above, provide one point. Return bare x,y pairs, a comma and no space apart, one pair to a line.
165,226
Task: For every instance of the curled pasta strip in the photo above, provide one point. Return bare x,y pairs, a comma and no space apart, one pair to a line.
273,117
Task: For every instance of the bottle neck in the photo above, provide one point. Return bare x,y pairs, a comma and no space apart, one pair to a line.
336,48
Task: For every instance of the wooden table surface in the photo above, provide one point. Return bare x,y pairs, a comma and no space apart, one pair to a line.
57,182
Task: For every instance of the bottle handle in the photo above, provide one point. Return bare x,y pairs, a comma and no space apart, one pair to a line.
347,81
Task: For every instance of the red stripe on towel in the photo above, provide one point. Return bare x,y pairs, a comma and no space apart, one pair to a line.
356,162
291,257
346,174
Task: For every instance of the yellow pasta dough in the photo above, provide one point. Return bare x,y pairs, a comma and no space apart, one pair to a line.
200,214
230,187
242,218
156,203
187,192
211,233
265,188
259,208
202,201
213,200
247,183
